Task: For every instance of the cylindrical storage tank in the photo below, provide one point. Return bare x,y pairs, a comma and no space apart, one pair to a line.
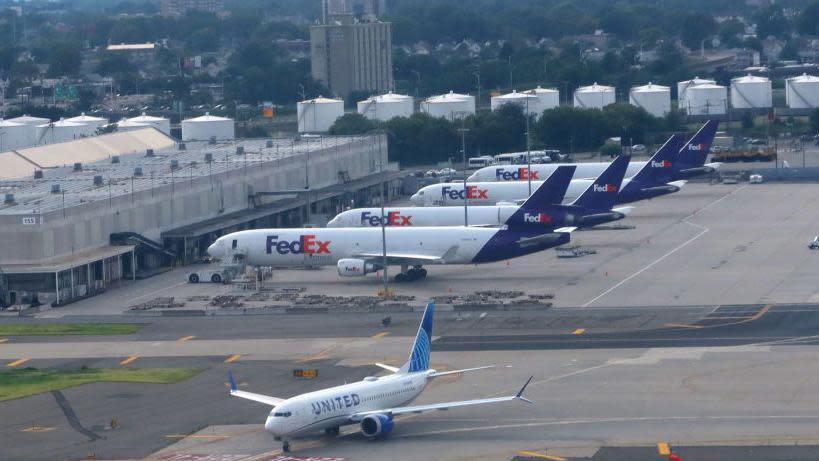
682,87
13,135
706,99
62,131
96,122
802,92
451,105
594,96
129,125
528,102
31,124
208,127
386,106
751,92
548,98
160,123
655,99
318,115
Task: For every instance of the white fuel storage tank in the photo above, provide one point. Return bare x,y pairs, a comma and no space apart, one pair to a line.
655,99
318,115
386,106
548,98
450,105
63,130
13,135
594,96
31,124
160,123
96,122
526,101
208,127
802,92
682,88
706,99
751,92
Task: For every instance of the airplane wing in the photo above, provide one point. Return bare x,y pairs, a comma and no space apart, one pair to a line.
266,399
441,406
398,258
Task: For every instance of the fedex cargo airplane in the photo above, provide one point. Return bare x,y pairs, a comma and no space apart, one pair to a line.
593,207
689,163
359,251
372,403
653,180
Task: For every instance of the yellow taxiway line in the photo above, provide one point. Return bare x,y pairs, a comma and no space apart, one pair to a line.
17,362
380,335
535,454
186,338
233,358
129,360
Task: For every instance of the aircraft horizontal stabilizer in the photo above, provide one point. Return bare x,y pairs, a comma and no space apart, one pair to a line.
454,372
387,367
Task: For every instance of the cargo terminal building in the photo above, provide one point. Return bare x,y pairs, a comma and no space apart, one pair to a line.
82,216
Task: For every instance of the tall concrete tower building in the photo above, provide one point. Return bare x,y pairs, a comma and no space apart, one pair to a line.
351,53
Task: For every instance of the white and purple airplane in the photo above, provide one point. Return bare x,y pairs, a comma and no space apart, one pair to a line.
689,163
372,403
653,180
593,207
359,251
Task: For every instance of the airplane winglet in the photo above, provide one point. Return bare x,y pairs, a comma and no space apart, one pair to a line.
561,230
520,396
233,386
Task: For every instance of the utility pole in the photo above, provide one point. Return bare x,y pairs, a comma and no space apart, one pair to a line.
478,75
528,149
383,220
463,131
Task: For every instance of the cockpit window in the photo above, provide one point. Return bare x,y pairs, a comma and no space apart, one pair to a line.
420,192
285,414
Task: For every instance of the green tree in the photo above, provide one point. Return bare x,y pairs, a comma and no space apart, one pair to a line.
814,120
421,139
697,27
64,60
353,123
771,21
808,21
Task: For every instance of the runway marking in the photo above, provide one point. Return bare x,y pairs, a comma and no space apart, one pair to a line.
663,448
186,338
233,358
38,429
704,230
17,362
540,455
129,360
3,340
380,335
682,325
579,331
196,436
320,355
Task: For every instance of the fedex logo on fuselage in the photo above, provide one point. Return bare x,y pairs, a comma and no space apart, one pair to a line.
472,192
605,188
541,218
392,218
306,244
521,174
661,164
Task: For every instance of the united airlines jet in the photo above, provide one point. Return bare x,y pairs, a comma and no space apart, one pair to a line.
372,403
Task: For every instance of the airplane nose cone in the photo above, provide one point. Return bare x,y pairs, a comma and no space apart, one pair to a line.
416,199
216,250
271,425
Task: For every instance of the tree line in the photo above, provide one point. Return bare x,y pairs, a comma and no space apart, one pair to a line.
422,139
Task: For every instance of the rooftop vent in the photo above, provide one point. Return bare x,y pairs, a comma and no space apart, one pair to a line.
149,153
182,146
174,164
9,199
55,189
240,150
115,159
268,143
38,174
212,140
138,171
77,166
98,180
208,157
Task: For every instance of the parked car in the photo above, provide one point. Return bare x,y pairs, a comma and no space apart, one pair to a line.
638,148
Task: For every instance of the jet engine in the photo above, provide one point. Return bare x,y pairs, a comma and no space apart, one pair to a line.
356,267
376,425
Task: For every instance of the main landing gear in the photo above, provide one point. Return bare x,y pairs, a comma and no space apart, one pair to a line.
332,431
286,446
410,274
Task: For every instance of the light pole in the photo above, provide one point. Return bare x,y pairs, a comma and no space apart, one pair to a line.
383,220
417,81
528,149
478,76
463,131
